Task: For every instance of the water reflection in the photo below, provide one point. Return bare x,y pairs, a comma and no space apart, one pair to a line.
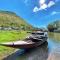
53,40
39,53
54,46
54,36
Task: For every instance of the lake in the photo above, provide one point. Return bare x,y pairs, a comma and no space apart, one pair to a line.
50,50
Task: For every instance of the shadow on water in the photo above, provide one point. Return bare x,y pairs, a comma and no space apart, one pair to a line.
38,53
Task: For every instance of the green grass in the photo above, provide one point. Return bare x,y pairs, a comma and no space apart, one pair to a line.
9,36
12,35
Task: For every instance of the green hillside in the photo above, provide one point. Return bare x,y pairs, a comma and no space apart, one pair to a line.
10,19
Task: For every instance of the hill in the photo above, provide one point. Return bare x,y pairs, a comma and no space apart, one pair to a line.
11,20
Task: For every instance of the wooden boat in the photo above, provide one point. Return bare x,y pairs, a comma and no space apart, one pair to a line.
22,44
27,43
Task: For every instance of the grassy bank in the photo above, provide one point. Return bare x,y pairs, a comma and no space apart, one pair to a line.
7,36
12,35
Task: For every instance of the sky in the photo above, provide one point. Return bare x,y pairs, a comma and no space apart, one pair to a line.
39,13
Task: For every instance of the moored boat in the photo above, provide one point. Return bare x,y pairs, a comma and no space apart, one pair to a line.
34,40
22,44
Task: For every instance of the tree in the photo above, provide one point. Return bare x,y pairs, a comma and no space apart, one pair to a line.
54,26
50,28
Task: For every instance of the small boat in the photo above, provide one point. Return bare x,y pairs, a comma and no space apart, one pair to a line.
22,44
34,40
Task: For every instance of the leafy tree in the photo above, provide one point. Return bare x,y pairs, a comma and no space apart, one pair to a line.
54,26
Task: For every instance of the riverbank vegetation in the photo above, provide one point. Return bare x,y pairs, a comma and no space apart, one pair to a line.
54,26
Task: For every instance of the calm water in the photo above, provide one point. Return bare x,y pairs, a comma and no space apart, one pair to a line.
47,51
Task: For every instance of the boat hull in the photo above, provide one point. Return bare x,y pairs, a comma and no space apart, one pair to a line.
28,45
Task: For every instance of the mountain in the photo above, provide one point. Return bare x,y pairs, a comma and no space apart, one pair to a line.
11,19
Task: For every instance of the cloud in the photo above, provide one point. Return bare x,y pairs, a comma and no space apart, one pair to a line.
35,9
55,12
41,1
43,5
51,3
